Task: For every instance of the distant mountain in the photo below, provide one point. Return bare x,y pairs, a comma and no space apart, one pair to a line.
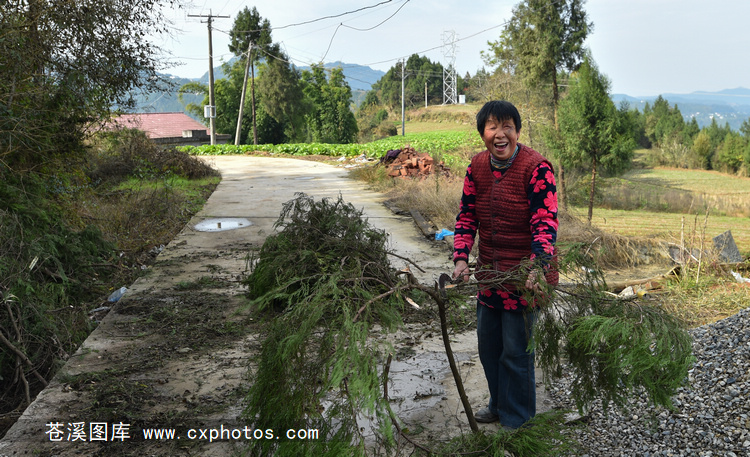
727,106
359,77
166,102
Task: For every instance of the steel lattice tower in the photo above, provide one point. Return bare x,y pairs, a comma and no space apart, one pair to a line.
450,80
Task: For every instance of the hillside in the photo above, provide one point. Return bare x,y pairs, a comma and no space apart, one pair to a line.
728,105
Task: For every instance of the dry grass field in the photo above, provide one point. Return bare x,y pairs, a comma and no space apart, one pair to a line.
670,226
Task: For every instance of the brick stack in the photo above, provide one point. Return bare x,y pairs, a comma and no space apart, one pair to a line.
410,163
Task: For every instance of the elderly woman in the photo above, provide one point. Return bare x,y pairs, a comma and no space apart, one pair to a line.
510,199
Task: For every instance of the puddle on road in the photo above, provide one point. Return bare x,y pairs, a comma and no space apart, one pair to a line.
221,224
304,178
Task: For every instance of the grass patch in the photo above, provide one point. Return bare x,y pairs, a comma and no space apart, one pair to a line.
673,191
543,436
702,181
669,226
707,298
137,215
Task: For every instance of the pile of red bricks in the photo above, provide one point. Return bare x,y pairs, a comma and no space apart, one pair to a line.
410,163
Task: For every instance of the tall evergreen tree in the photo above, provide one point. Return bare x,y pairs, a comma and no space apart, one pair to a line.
541,39
730,154
591,131
281,95
330,118
664,123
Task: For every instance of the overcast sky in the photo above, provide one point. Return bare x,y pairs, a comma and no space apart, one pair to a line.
645,47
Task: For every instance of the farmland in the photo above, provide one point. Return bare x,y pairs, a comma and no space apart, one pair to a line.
645,202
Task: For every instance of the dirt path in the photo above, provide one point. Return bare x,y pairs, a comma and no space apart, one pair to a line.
175,351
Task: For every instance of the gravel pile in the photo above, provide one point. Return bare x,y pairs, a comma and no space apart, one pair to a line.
712,412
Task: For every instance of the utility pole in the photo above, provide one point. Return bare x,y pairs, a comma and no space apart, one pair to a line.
242,97
403,105
212,105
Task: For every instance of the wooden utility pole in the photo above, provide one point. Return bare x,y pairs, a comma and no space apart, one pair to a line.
211,102
403,102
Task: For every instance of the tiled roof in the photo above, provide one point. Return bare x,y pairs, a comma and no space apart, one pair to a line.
160,125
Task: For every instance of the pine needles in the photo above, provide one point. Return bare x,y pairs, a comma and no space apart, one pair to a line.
323,280
614,347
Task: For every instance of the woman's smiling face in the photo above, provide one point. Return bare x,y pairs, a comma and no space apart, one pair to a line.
500,137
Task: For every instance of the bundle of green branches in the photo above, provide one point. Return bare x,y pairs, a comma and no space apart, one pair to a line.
323,280
612,347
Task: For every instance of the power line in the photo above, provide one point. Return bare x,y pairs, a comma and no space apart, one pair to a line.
378,25
334,16
360,30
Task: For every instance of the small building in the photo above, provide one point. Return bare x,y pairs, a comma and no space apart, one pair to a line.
176,129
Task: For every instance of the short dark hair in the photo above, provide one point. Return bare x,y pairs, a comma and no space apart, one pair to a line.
500,110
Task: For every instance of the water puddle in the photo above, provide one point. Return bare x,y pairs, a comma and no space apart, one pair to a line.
221,224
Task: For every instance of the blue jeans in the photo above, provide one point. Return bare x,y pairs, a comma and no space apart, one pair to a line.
508,365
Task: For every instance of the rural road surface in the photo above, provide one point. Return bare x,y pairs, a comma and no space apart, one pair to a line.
138,371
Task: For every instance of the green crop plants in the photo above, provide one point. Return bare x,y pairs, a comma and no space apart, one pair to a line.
443,142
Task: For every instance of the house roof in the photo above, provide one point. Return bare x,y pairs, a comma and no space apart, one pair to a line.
159,125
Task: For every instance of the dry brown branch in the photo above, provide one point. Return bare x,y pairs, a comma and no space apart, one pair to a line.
383,295
23,357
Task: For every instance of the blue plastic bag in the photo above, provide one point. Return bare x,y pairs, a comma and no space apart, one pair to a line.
442,234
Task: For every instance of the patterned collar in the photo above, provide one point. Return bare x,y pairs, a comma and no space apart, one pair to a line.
503,164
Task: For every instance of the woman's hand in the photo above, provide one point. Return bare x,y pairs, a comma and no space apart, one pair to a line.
462,271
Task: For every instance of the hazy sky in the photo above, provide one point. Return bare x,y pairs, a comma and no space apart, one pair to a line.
645,47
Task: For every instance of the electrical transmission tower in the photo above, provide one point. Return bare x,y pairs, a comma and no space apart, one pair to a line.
449,71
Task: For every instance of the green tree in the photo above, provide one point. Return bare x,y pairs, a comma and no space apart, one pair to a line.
590,128
250,34
730,154
716,134
692,129
195,88
420,72
745,128
634,122
330,119
541,39
664,123
281,96
65,65
702,150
